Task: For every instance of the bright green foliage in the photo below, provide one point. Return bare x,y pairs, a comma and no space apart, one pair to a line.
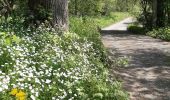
162,33
88,28
113,17
85,7
118,6
125,5
46,64
108,6
99,7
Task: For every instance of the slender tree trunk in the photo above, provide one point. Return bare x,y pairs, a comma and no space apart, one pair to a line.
168,11
75,7
154,12
160,13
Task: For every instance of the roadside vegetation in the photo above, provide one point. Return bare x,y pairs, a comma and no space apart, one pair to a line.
161,33
136,29
39,61
154,17
112,18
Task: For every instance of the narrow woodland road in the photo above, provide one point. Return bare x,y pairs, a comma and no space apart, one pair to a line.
147,76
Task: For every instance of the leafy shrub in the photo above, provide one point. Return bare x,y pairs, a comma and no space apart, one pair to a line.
44,65
136,29
162,33
86,28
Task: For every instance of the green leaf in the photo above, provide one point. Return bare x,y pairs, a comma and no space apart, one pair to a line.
16,39
8,41
2,33
98,95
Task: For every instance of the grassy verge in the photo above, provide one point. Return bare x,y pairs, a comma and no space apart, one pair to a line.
104,21
87,29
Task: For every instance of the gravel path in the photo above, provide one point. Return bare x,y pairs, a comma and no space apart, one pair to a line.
147,76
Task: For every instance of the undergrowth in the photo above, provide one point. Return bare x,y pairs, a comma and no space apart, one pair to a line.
161,33
45,64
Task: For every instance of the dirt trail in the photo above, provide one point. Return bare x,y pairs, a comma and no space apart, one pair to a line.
147,76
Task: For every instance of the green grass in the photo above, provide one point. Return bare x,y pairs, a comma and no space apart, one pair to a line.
104,21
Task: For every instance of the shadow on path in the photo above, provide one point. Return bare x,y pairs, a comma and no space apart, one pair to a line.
147,76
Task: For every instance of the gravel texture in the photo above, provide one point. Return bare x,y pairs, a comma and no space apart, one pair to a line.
147,77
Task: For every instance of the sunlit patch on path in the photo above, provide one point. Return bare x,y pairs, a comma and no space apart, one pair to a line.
148,75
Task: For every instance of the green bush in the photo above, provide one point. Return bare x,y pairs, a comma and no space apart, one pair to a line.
136,29
162,33
42,64
86,28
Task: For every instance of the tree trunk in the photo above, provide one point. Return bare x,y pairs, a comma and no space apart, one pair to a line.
154,8
76,7
58,8
160,13
168,11
60,14
7,7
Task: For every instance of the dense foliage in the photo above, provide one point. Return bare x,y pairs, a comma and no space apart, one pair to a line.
154,16
100,7
42,62
86,7
154,13
162,33
136,29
